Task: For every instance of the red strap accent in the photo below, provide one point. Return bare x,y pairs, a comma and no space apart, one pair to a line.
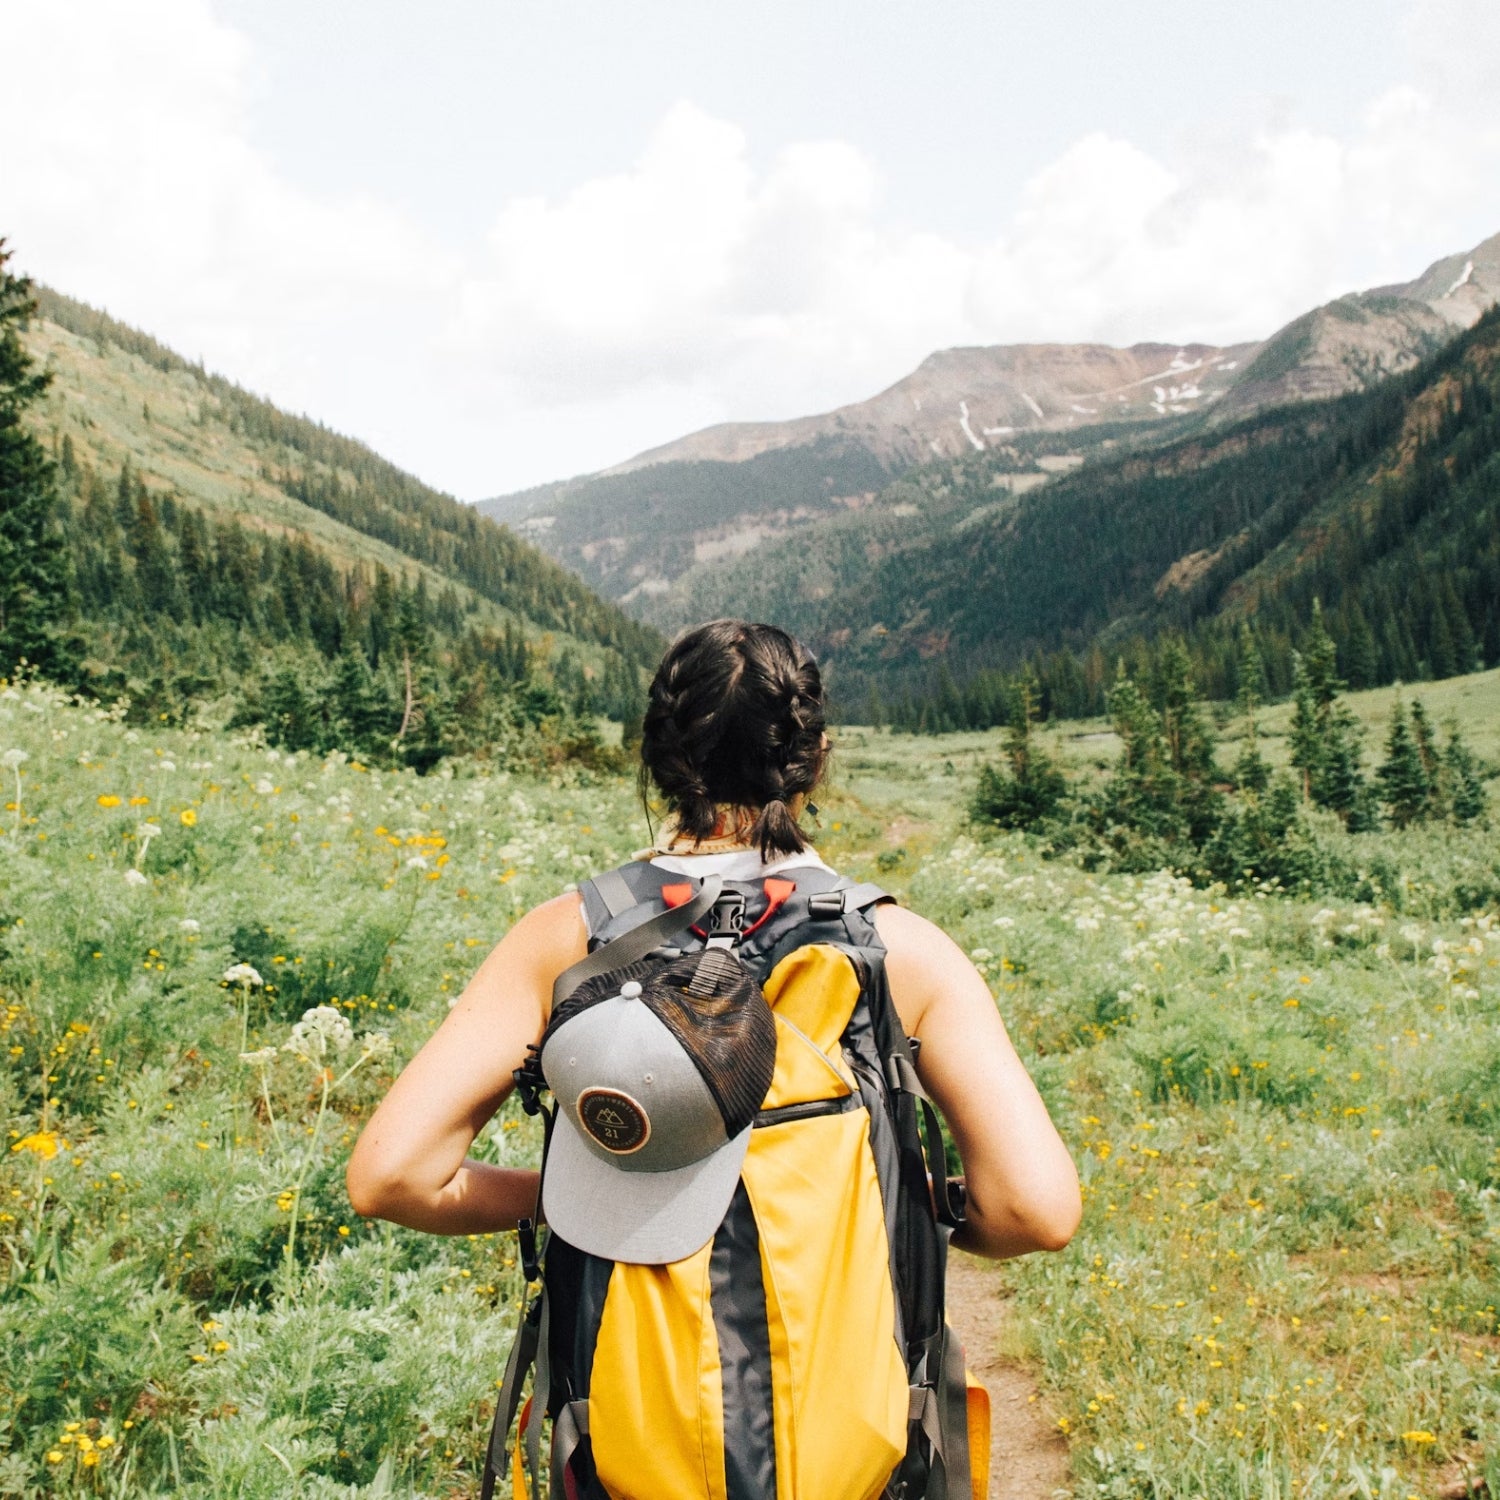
778,892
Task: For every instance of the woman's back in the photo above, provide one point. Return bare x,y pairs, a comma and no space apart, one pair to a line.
733,744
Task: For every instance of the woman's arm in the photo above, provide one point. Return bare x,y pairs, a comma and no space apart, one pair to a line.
410,1164
1022,1184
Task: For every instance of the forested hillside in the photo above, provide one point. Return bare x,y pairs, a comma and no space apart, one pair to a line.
221,548
1382,504
629,534
679,531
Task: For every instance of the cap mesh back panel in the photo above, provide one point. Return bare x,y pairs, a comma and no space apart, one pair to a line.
592,991
710,1003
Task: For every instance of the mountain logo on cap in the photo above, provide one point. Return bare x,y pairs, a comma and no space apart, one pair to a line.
615,1120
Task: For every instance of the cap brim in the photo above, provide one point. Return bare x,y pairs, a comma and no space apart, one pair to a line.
644,1218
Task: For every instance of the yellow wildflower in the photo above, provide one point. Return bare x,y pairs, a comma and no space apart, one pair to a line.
107,799
187,817
42,1143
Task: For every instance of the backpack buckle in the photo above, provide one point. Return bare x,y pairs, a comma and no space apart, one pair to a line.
826,906
725,923
530,1081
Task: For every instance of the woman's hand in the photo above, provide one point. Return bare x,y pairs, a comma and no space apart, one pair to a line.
410,1164
1022,1184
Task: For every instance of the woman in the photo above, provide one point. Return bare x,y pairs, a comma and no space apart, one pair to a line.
749,1359
733,741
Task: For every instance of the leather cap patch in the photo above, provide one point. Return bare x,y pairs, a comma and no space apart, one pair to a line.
614,1120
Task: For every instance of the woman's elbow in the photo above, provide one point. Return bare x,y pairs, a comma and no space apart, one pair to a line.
1053,1228
367,1194
375,1191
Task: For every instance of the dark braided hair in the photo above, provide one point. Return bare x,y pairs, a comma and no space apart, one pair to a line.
735,716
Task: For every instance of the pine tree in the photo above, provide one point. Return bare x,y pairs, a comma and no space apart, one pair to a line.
1361,655
1033,787
358,708
1401,777
1251,773
36,597
291,713
1442,655
1324,735
1190,750
1425,741
1466,798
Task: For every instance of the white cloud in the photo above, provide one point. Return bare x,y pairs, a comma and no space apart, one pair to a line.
695,285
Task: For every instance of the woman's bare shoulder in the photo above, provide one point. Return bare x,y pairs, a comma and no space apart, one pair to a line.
923,963
908,934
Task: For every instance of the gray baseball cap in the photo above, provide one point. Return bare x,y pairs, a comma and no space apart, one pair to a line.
658,1077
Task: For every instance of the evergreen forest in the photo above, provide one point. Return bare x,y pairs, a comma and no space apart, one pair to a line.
1382,507
320,592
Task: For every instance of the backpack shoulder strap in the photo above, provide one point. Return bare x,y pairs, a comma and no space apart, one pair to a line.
609,896
638,941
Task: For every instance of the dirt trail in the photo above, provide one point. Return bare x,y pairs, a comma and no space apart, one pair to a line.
1028,1457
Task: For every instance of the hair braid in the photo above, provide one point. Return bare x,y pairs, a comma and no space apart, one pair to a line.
735,715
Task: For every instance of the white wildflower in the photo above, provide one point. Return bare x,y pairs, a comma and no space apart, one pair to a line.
14,758
264,786
167,765
243,974
376,1044
416,862
262,1057
135,877
189,924
320,1031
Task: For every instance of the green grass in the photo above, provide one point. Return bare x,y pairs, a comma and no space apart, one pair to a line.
1284,1114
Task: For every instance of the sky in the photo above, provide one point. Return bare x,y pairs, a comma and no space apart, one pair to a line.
510,241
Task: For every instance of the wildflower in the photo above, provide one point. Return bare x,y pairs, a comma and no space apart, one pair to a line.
264,787
189,924
263,1057
14,758
376,1045
322,1029
135,877
187,817
107,799
41,1143
140,801
243,974
1418,1438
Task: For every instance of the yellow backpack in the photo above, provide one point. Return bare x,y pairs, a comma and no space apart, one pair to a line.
801,1353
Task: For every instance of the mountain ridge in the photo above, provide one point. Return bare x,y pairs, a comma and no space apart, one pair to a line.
642,531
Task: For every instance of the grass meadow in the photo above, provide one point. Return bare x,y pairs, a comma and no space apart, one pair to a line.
213,957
